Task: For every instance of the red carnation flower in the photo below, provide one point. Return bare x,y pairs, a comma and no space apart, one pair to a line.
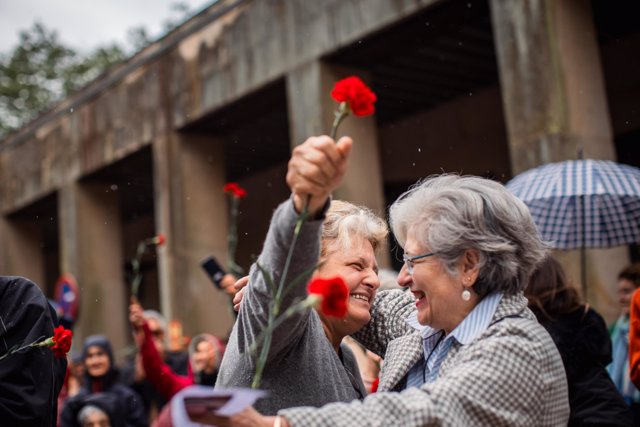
375,384
334,293
62,341
354,92
234,189
159,240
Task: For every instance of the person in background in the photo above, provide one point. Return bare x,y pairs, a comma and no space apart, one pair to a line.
101,382
93,416
581,336
205,355
628,282
30,380
133,373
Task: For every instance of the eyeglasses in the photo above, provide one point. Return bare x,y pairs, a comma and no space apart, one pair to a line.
409,261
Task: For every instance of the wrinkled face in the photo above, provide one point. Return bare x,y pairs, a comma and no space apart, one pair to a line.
626,288
358,267
437,293
96,419
204,358
157,333
97,362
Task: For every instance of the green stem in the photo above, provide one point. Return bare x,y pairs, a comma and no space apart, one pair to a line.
233,235
340,115
135,265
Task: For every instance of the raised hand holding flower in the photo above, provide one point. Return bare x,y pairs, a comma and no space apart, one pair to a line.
316,168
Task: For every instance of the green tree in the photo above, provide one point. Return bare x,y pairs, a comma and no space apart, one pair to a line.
42,70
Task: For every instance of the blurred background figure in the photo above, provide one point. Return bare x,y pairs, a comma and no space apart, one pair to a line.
628,282
205,354
101,383
92,416
581,336
133,373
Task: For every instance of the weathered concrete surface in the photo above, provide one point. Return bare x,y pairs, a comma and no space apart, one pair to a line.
551,80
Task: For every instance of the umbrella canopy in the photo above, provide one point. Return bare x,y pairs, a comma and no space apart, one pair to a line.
582,203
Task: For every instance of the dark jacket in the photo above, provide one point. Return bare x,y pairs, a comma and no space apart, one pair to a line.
31,379
583,341
123,406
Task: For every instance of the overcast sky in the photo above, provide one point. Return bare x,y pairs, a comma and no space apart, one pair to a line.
86,24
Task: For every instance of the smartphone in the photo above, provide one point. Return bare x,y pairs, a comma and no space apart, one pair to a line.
213,270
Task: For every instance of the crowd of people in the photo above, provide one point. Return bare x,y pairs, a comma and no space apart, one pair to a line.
483,327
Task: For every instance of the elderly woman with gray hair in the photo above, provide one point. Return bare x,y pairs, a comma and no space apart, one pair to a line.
465,350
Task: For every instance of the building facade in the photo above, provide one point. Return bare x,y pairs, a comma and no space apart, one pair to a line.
485,87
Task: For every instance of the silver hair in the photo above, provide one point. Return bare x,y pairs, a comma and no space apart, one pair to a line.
152,314
345,220
449,214
87,411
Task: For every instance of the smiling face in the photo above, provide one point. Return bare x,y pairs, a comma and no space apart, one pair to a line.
97,362
358,267
437,292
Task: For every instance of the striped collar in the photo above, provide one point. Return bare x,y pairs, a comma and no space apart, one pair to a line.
471,326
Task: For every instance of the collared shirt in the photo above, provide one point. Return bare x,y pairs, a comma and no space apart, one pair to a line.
436,345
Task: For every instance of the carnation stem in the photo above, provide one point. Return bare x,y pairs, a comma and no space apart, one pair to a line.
341,114
233,236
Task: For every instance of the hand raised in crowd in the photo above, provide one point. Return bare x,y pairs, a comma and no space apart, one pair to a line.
316,169
136,315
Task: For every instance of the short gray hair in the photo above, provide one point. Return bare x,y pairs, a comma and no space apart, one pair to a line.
449,214
345,220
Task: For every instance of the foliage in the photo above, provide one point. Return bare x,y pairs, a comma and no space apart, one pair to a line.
41,69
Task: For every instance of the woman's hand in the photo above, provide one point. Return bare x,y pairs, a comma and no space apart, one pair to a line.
316,169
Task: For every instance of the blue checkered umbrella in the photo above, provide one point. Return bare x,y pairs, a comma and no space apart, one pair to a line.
583,203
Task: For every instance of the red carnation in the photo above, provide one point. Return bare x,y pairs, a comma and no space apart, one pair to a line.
159,240
234,189
375,384
334,293
353,91
62,341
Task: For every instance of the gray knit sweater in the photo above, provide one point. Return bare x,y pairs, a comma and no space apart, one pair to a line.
302,367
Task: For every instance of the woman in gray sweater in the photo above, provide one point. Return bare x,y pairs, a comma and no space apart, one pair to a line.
307,364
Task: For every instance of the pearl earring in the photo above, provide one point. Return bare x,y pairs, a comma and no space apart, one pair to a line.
466,295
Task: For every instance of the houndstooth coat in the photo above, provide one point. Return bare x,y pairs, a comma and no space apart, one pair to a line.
511,375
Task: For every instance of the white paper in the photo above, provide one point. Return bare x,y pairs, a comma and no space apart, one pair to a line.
239,399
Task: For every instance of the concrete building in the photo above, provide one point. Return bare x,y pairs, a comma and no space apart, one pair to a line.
486,87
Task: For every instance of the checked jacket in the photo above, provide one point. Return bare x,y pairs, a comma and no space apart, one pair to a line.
510,375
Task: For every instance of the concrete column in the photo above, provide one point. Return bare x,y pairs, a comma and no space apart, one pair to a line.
551,81
191,209
91,250
555,104
311,112
21,253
